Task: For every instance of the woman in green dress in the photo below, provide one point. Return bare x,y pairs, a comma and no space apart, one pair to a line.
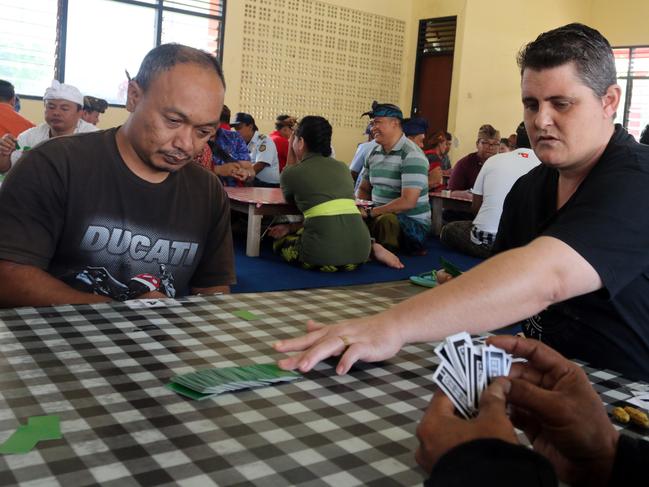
333,235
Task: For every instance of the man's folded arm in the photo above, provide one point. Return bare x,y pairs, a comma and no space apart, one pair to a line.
26,285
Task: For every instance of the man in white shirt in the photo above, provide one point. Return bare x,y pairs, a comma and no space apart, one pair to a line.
492,185
263,152
63,109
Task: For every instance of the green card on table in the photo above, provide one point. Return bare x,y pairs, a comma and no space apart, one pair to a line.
25,438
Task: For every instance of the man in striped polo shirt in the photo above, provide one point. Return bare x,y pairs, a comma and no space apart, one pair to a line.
396,180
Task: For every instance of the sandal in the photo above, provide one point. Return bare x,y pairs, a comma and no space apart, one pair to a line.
426,279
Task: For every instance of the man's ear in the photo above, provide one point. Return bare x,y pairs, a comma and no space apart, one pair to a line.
133,95
611,100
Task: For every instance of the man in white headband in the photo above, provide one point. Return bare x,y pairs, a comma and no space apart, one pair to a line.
63,109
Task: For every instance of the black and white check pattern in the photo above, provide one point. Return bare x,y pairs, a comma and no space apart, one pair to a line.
102,369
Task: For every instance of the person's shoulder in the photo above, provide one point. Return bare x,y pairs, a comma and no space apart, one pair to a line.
412,151
624,151
37,131
85,127
467,159
201,177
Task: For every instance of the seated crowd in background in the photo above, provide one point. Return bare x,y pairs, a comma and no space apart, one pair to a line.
495,179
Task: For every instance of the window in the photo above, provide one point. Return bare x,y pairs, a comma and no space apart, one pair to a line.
97,40
632,65
28,44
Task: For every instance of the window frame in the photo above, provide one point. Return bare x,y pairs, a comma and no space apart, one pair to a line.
629,77
159,6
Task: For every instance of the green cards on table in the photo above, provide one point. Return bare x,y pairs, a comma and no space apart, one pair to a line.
245,315
25,438
211,382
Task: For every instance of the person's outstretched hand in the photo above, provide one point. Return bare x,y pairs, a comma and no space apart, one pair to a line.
368,339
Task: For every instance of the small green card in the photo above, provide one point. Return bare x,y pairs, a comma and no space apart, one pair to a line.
25,438
245,315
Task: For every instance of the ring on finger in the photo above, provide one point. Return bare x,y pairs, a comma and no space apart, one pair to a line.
345,340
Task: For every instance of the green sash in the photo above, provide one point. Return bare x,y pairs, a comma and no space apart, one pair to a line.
341,206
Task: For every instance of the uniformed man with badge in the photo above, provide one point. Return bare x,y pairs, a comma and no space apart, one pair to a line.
263,152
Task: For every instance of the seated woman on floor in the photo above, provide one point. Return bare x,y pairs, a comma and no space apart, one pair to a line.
333,236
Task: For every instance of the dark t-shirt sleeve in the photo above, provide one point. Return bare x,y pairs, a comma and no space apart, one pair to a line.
492,462
216,267
32,208
608,225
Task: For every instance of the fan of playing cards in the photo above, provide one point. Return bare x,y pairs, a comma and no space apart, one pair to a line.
466,369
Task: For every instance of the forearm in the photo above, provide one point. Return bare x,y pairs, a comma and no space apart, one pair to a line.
398,205
258,167
23,285
505,289
364,194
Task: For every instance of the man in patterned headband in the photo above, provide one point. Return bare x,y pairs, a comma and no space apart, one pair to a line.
396,181
92,107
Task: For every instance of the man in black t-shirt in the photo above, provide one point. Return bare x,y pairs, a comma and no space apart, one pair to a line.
573,240
123,213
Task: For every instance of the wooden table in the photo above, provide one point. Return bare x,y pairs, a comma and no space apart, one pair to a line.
257,202
442,200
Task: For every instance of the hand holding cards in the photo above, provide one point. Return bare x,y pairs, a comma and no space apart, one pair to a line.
466,369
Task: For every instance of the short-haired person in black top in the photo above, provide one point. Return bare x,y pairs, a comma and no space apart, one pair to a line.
121,213
573,241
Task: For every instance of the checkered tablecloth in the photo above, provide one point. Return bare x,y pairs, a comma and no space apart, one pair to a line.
102,370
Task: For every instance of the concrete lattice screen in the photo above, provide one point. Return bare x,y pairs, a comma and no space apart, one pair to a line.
308,57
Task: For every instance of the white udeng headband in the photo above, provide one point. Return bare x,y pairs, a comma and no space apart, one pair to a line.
60,91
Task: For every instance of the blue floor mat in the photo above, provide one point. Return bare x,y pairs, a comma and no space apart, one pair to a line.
269,272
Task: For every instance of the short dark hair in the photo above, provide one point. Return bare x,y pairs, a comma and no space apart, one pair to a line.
316,132
576,43
7,91
436,139
166,56
284,121
93,104
225,114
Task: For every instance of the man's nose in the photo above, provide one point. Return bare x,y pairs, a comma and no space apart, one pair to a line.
183,139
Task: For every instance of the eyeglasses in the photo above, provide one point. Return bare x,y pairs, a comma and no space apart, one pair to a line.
495,145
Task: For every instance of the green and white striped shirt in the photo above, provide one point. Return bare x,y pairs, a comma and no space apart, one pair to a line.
405,166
